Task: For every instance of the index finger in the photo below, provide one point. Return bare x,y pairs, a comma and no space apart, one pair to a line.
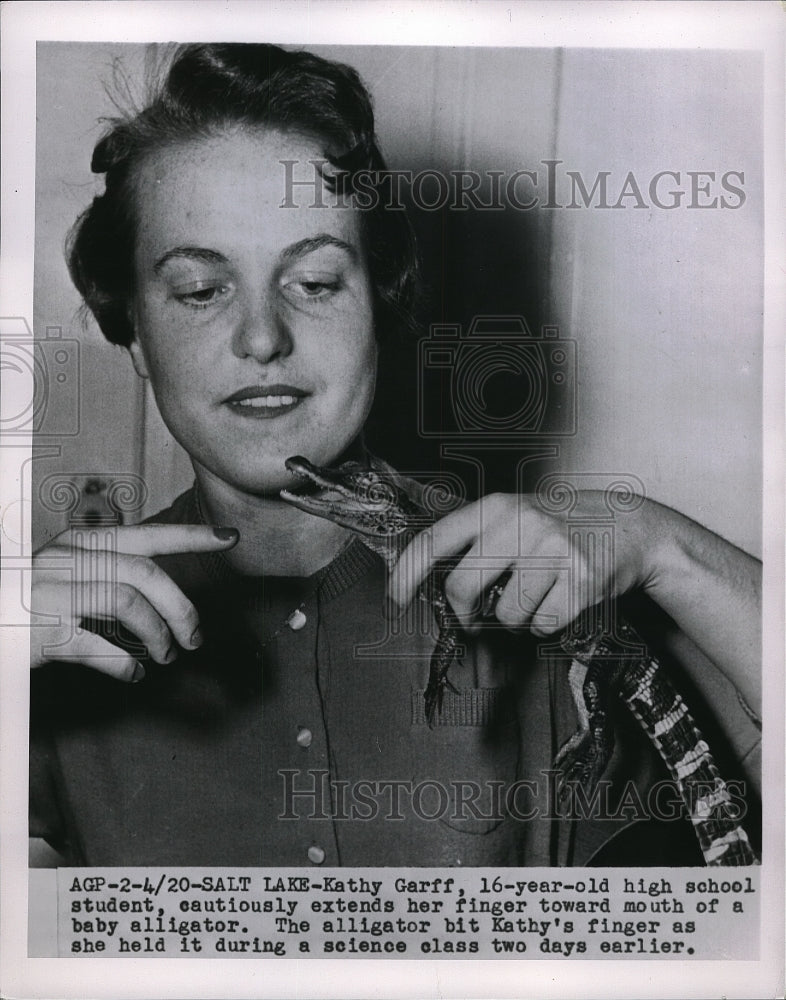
447,537
160,539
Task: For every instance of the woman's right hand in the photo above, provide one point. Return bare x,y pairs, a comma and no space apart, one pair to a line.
72,582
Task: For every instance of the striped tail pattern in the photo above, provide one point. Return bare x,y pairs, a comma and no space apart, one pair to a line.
645,688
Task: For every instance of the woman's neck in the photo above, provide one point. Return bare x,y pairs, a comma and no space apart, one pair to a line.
275,538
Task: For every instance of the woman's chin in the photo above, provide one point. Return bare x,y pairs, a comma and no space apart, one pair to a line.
260,480
263,483
266,476
267,486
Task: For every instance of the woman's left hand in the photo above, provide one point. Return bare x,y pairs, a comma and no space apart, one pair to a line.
548,570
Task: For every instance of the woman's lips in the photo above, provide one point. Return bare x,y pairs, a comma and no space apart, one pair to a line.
265,402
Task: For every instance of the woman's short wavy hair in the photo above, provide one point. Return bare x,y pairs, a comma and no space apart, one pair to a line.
214,88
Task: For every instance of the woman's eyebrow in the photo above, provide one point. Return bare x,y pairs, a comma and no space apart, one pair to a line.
201,254
312,243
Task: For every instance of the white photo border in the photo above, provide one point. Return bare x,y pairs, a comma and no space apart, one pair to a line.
507,23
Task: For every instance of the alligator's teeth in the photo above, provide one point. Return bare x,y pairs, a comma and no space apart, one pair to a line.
268,401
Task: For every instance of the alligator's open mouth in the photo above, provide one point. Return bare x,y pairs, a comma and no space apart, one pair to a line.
312,481
321,492
351,495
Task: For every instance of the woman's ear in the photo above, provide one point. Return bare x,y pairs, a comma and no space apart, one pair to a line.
134,347
138,358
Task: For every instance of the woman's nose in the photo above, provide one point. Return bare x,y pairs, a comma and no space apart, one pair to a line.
262,333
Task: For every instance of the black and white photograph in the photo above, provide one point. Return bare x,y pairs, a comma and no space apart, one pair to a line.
392,468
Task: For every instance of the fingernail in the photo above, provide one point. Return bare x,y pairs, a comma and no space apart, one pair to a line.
171,654
226,534
138,674
196,637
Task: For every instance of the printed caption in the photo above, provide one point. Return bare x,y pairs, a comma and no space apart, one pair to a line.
409,913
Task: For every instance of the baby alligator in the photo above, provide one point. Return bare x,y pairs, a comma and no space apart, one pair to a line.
376,505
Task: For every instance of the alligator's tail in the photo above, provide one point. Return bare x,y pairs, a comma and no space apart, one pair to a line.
645,688
711,807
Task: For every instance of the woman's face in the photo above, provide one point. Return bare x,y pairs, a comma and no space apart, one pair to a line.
253,321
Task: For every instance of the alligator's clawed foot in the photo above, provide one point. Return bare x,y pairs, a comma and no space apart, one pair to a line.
433,697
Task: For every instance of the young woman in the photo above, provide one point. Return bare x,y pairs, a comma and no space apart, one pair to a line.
246,701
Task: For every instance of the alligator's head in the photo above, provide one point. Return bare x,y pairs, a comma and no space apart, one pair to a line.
358,498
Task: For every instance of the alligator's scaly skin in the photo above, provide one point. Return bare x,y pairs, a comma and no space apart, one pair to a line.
605,661
644,686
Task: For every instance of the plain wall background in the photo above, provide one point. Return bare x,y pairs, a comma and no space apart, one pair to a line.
665,306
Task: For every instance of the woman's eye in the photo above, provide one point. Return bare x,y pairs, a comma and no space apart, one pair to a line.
312,288
201,297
